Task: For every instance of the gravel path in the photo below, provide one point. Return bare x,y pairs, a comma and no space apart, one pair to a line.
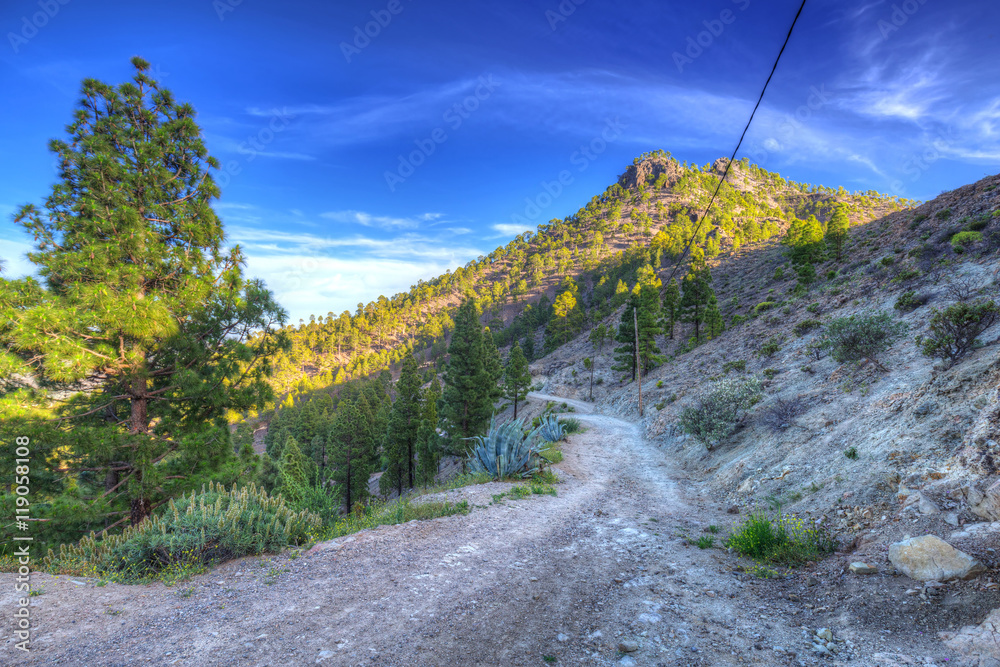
600,574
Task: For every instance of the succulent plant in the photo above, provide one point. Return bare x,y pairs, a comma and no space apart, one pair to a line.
505,450
551,429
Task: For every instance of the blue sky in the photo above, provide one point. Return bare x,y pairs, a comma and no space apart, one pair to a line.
356,164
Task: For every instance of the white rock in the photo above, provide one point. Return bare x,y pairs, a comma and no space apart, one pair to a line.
929,558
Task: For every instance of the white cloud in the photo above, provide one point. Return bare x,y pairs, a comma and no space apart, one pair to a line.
379,221
16,264
511,229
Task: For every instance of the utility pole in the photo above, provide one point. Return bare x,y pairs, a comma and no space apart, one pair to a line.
638,366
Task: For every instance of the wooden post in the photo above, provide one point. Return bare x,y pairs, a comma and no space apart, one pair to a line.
638,365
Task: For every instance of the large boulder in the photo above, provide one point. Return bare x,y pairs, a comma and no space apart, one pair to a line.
988,506
929,558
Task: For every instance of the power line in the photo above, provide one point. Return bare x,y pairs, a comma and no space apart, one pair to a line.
687,248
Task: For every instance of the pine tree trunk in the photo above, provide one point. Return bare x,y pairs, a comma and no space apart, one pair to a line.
347,480
138,426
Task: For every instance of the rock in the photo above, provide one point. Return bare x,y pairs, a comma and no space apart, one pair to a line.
973,496
562,638
989,506
929,558
812,581
323,655
649,618
977,641
733,509
951,518
628,646
927,506
627,661
825,633
863,568
746,486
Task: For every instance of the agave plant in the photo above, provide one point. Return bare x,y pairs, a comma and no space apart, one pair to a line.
505,450
551,429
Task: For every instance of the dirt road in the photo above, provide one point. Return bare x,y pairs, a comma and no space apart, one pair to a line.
600,574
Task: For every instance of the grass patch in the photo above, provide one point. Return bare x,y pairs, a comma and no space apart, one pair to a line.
379,513
779,539
522,491
705,542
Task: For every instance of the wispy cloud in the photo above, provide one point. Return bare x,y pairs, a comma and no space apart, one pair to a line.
379,221
510,229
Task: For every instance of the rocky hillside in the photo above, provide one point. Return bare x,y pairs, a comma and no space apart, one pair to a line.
873,454
653,210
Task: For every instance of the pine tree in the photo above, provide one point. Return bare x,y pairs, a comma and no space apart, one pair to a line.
352,451
648,317
517,377
401,436
466,404
625,353
598,336
696,290
492,369
294,470
142,297
671,305
713,317
428,440
836,230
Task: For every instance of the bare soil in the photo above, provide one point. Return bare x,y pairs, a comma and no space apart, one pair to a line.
543,580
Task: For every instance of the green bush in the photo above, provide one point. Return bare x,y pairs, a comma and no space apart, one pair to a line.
770,347
851,453
813,308
571,424
763,306
909,301
209,527
961,241
805,326
954,330
720,409
862,337
739,365
781,539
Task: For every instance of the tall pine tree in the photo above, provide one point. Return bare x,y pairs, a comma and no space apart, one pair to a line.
352,451
401,436
671,306
467,401
625,352
143,299
836,230
517,377
428,440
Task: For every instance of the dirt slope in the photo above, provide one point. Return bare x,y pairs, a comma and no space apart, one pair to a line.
571,577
